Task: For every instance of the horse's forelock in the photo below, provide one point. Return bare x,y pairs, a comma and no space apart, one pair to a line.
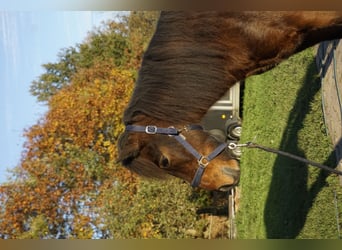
127,149
130,157
146,168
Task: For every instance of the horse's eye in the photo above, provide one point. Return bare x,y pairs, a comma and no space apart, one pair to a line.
164,162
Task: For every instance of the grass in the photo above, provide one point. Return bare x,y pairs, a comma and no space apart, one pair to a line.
280,197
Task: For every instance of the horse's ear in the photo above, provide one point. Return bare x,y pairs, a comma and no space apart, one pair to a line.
128,148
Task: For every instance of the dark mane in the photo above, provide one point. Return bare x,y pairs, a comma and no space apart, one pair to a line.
145,168
195,57
130,157
185,64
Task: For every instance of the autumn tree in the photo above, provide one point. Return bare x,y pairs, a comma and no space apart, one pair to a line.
57,75
68,184
70,157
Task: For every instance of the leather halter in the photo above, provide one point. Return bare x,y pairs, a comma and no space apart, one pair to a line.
203,161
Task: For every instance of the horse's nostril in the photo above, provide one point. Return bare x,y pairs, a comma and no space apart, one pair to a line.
226,188
231,172
234,174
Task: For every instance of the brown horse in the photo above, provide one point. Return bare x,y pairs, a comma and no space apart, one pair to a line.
192,60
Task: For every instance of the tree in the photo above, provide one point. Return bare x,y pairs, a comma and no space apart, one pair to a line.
70,158
159,209
68,184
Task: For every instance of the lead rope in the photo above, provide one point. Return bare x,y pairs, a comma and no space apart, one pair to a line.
231,205
233,145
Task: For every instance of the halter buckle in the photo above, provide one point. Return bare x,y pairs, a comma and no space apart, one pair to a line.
203,161
151,130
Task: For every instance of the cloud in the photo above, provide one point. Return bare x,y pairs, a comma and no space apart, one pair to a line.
8,42
9,75
9,38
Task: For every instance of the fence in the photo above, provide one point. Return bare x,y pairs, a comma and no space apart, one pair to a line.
329,63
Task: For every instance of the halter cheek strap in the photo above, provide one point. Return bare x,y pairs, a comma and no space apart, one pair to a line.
203,161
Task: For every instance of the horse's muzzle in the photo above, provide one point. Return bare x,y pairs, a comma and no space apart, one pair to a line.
234,174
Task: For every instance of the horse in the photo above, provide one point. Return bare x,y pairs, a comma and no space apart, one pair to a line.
193,58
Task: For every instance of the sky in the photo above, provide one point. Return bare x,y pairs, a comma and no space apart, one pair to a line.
27,40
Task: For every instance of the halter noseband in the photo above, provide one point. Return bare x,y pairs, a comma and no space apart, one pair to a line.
203,161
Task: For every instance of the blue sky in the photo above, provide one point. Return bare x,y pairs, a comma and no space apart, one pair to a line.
28,40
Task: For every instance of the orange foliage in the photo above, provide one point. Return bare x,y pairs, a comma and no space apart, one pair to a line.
68,164
70,156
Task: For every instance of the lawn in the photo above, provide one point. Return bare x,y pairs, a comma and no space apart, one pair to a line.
280,197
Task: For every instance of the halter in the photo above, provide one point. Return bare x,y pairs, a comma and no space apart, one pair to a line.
203,161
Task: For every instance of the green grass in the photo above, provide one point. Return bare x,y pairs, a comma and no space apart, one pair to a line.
280,197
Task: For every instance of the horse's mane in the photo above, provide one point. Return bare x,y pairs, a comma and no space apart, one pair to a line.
183,72
195,57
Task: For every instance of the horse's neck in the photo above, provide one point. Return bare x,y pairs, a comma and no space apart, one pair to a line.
191,63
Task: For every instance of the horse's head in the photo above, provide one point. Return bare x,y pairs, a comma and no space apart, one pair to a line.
190,153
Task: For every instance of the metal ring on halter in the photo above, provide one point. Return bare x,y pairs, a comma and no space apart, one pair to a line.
203,161
232,145
151,130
